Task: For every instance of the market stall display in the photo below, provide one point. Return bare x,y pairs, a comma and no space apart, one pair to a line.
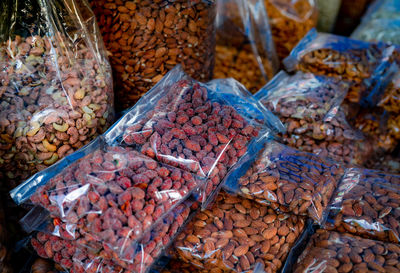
245,49
148,38
56,88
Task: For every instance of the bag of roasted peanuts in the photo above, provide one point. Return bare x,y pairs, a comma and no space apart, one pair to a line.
55,85
244,46
366,203
236,234
342,252
290,21
369,67
75,257
310,107
287,180
148,38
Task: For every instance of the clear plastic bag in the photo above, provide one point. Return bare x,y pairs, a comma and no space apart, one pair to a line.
111,196
374,123
245,49
290,21
55,85
148,38
287,179
382,9
74,257
391,98
309,107
202,128
367,66
367,203
378,30
238,235
338,252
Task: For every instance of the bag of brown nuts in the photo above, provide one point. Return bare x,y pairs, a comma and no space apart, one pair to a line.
367,203
309,107
245,49
238,235
148,38
77,258
342,252
201,128
369,67
55,86
290,21
288,180
391,98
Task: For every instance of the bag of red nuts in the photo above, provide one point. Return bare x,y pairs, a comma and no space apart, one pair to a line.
181,138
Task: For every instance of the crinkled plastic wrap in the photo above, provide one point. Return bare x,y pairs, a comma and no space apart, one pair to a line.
148,38
55,85
111,196
309,107
391,98
238,235
290,21
202,128
342,252
76,258
367,66
367,203
288,180
245,49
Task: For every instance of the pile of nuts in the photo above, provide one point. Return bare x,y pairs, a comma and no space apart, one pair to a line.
235,235
241,64
148,38
352,65
367,204
51,104
80,258
290,21
291,180
334,252
194,132
113,196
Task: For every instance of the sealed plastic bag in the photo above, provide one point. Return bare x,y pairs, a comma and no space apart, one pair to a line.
342,252
238,235
367,66
112,195
148,38
382,9
202,128
74,257
287,179
245,49
378,30
55,85
309,107
367,203
290,21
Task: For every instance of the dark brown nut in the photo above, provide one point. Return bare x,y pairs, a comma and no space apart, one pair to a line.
113,195
235,234
375,124
391,98
51,105
241,64
367,203
301,182
147,39
290,21
189,130
43,266
341,252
